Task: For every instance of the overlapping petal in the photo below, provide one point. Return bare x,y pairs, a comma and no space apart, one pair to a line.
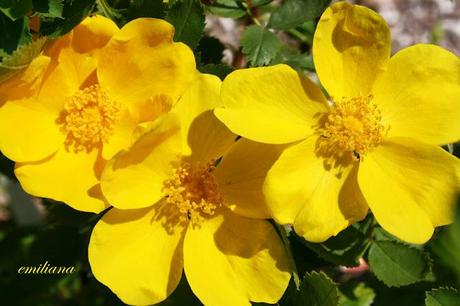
65,176
241,175
134,179
92,34
319,201
270,104
136,255
350,49
245,259
28,131
411,187
141,62
204,136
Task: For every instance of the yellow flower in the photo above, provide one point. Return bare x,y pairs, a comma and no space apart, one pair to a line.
81,102
177,207
374,145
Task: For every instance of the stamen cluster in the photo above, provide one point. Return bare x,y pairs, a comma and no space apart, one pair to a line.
88,119
194,191
351,128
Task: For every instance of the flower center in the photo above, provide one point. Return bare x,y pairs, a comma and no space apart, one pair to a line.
350,129
193,190
88,119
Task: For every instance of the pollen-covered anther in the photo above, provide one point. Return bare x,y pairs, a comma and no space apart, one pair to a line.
88,119
351,128
194,191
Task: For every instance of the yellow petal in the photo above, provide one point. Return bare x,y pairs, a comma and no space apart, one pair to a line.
418,94
241,175
28,132
350,49
133,254
270,104
142,62
78,69
93,33
26,83
319,202
231,260
208,138
122,137
411,187
134,179
69,177
205,137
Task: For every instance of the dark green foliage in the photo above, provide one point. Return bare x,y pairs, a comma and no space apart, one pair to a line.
347,247
260,45
221,70
356,294
442,297
72,14
15,9
293,13
227,8
398,264
317,289
13,33
49,8
188,19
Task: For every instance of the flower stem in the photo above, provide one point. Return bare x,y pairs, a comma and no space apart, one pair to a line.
287,245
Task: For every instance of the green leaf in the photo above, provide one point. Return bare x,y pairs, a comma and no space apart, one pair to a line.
260,45
124,12
442,297
397,264
347,247
227,8
317,289
15,9
20,58
447,246
49,8
221,70
356,294
73,13
13,33
145,8
188,19
293,13
108,11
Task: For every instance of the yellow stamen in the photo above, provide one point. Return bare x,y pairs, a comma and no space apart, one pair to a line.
88,119
193,190
350,129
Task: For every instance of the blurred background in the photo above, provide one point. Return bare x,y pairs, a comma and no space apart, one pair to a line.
33,230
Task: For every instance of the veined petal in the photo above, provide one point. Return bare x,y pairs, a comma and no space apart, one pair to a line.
204,136
28,131
72,178
93,33
418,95
241,175
411,187
244,258
134,179
141,62
136,256
270,104
319,201
351,47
